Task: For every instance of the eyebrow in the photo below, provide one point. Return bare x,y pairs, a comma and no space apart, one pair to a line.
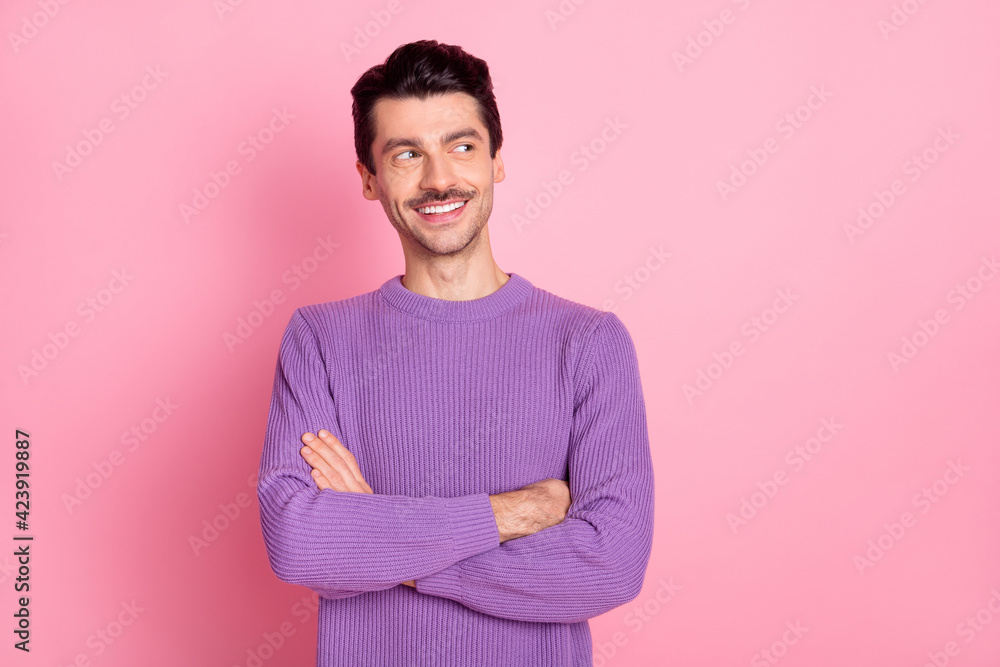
464,133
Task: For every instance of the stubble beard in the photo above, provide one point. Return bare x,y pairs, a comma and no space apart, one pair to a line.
452,240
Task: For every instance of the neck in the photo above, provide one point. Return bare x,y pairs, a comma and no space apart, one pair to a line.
459,283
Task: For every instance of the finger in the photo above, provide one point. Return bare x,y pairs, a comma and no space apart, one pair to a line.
330,466
332,462
317,464
339,458
321,481
347,457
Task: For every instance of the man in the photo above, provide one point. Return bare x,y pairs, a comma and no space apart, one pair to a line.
425,440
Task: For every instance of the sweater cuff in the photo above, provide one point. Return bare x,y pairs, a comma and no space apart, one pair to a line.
472,525
474,529
446,584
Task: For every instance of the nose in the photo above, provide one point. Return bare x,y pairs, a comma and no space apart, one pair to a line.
438,174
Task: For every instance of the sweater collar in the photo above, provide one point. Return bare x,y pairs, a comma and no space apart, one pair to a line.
510,294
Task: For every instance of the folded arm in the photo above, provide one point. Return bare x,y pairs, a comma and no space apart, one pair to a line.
342,544
518,513
595,560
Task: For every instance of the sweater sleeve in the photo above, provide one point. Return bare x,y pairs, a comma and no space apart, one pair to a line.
595,559
337,543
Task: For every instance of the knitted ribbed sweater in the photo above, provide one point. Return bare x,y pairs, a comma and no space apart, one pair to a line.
443,403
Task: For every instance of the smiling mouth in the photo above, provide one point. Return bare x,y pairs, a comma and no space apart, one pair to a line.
441,209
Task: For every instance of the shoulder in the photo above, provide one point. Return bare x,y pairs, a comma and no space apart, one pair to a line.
328,317
562,311
586,322
589,335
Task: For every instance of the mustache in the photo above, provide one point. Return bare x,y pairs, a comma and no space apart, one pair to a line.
434,199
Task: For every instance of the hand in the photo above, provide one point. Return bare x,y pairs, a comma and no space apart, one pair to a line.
333,465
552,500
531,508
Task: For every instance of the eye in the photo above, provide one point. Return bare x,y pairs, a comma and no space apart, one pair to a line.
400,155
470,147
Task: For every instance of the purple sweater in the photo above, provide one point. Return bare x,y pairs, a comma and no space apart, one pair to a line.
443,403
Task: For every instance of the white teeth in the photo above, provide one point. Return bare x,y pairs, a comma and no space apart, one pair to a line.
441,209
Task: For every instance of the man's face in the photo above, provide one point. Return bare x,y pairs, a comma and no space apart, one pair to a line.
433,152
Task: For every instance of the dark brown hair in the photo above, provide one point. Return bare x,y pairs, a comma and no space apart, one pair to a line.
420,69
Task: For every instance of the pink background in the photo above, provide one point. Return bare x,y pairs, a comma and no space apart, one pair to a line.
662,133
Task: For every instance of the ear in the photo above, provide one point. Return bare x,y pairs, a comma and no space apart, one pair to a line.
367,182
498,172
